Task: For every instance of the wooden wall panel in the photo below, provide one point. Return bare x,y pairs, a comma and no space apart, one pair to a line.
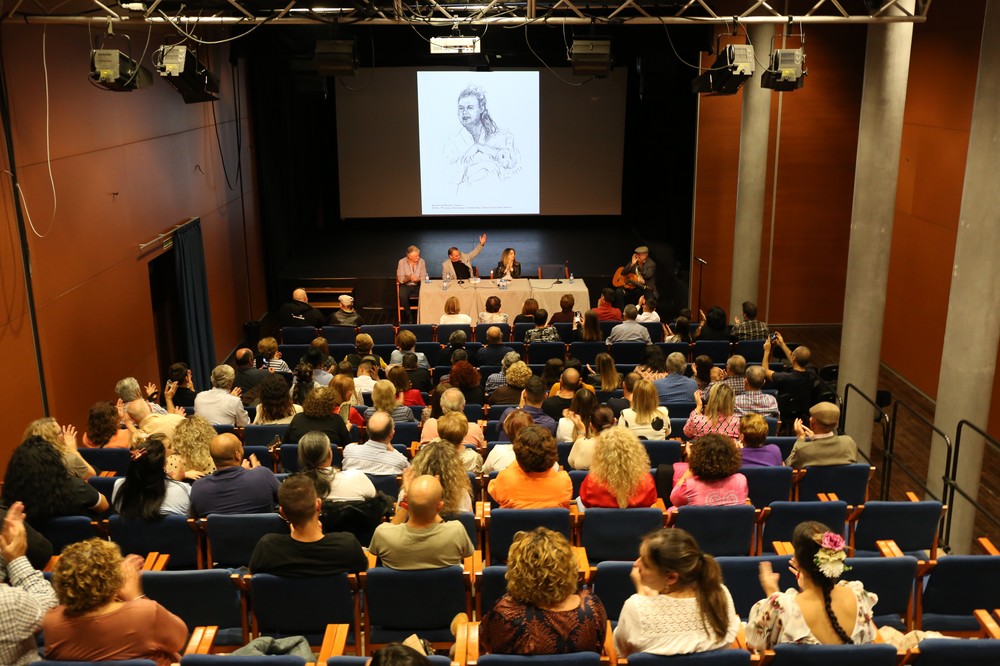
127,167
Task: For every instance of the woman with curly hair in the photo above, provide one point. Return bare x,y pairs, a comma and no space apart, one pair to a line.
681,605
63,440
190,457
712,475
146,492
466,379
542,612
619,476
385,399
316,462
103,614
575,422
606,375
717,415
404,387
37,476
824,610
654,364
533,480
528,311
276,406
581,456
646,418
439,458
515,377
317,414
103,432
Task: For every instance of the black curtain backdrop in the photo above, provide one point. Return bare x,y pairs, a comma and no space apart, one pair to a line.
192,292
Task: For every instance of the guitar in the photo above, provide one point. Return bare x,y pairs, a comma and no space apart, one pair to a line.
627,281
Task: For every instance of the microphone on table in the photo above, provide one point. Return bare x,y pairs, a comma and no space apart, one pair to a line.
558,281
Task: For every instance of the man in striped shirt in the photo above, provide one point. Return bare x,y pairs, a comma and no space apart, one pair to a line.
749,328
753,401
376,456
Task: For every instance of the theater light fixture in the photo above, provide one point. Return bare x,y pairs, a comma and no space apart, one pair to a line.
113,70
786,70
336,57
591,57
731,69
179,66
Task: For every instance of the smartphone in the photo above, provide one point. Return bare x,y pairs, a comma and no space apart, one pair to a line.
774,338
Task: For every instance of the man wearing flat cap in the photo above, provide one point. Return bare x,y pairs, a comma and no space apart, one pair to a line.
819,445
346,315
640,278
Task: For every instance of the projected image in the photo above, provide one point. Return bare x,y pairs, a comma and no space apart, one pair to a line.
478,142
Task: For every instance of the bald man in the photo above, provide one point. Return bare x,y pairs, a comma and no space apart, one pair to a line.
569,384
247,376
299,313
238,485
425,541
376,456
493,352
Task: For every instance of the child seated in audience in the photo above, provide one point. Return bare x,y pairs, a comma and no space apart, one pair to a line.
270,357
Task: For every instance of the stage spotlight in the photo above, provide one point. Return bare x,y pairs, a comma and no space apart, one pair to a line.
591,57
179,66
728,73
113,70
786,71
336,57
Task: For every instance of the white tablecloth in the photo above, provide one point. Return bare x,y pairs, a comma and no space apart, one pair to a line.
472,297
548,294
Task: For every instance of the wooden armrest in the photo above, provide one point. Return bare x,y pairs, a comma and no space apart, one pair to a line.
912,496
202,640
107,473
334,641
582,563
670,518
480,514
987,546
149,562
609,655
470,654
372,559
888,548
161,562
988,627
51,564
761,515
740,642
783,547
477,562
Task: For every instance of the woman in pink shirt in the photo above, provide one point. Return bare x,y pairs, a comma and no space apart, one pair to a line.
712,477
715,416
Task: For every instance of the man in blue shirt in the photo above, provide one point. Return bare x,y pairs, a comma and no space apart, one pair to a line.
534,394
238,485
675,387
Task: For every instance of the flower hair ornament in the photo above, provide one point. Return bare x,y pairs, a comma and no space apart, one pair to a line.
829,559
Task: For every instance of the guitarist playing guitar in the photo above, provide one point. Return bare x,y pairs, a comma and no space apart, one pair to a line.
637,278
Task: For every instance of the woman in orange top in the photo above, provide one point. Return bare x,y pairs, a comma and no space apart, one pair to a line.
533,481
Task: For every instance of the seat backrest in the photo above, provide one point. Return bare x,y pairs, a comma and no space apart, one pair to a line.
875,654
398,600
263,435
570,659
947,652
482,328
240,660
171,534
655,329
957,586
662,452
406,433
298,335
891,578
387,483
232,537
562,454
203,597
540,352
849,482
492,586
576,476
606,326
64,530
382,334
504,523
912,525
671,347
565,329
719,530
768,484
718,350
473,412
785,444
628,352
785,516
613,585
741,576
301,606
585,351
423,332
124,662
339,335
104,485
292,354
615,534
723,657
677,427
751,350
107,460
444,331
521,328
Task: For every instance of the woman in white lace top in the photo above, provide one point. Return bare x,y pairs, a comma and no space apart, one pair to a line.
680,605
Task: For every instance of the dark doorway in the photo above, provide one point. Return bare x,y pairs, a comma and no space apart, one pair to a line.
168,318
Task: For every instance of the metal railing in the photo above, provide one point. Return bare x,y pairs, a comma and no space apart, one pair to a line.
952,483
883,418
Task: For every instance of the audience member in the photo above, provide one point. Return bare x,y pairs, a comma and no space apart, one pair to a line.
384,399
103,614
646,418
736,367
397,654
606,376
406,341
345,397
270,357
146,492
376,456
346,315
492,315
714,416
528,311
575,421
247,376
238,485
179,390
752,400
453,428
466,378
37,476
619,475
532,481
532,398
420,378
749,328
276,406
705,374
681,331
306,552
299,313
648,315
63,440
191,457
453,400
425,541
819,444
502,455
713,326
25,598
439,459
756,452
629,330
317,414
552,370
581,454
367,376
303,382
566,313
316,461
617,405
712,477
542,612
675,387
405,392
494,350
569,384
128,391
824,610
606,310
102,427
542,332
589,329
221,404
654,364
433,409
798,382
681,605
453,312
502,389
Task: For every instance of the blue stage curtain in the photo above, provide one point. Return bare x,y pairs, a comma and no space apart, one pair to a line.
192,291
